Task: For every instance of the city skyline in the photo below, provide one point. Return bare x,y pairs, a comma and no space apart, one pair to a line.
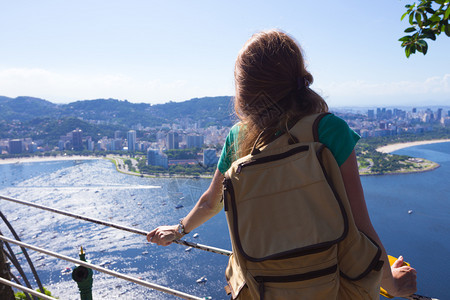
372,123
159,52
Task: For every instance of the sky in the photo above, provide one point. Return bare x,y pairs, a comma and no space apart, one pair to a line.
160,51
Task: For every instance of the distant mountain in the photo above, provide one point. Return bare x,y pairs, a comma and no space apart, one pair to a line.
25,108
206,111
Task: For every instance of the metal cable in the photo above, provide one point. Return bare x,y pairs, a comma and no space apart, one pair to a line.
25,253
16,264
19,268
14,278
125,228
25,289
104,270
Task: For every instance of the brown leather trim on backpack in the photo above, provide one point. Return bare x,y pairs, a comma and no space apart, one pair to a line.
376,264
261,280
227,289
336,194
316,248
315,126
287,254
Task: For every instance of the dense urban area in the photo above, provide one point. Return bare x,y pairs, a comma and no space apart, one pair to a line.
187,144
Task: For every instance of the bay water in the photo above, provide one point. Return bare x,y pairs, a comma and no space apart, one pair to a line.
410,212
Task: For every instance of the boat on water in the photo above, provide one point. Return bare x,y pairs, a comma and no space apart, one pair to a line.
202,279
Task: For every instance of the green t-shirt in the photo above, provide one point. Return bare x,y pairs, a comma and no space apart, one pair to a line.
333,133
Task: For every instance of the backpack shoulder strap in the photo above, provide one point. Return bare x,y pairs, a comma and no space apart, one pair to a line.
307,128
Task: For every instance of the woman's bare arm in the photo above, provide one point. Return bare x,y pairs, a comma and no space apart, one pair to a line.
397,280
207,206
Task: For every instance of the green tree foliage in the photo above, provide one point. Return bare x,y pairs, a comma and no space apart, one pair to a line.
182,153
387,163
428,19
50,130
22,296
28,113
26,108
130,165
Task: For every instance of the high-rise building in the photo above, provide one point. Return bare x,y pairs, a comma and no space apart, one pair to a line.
388,114
15,146
90,144
116,145
195,141
157,158
379,113
371,114
209,157
172,140
439,114
131,139
77,139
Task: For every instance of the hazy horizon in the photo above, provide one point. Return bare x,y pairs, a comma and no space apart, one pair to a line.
342,107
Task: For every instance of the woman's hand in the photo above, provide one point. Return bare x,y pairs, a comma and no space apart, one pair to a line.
404,279
164,235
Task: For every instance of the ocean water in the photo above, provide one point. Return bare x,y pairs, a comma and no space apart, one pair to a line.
422,237
95,189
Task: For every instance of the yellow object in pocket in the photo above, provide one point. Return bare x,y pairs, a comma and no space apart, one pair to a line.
392,259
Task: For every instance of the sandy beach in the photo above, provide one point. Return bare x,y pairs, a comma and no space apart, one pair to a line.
395,147
44,158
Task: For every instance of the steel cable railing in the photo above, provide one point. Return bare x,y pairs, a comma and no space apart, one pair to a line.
16,264
25,289
25,253
104,270
98,268
133,230
117,226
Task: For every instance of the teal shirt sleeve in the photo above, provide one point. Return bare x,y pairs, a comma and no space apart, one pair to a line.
333,132
338,137
229,150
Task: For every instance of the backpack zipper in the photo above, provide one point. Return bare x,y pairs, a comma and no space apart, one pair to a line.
230,204
271,158
261,280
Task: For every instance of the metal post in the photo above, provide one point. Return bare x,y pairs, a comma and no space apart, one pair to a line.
83,277
6,291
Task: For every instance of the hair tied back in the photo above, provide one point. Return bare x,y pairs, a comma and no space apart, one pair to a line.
302,82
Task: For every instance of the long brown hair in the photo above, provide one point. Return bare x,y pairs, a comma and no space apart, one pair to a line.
271,88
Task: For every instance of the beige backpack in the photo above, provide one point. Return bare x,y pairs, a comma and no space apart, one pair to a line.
291,227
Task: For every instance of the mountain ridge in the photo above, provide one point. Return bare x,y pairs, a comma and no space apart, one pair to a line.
212,110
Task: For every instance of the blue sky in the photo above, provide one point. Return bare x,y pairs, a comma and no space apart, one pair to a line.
154,52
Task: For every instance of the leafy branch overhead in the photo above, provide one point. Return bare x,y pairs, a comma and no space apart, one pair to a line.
429,19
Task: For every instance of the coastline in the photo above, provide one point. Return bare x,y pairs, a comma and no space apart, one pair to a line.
432,167
428,165
115,161
112,159
394,147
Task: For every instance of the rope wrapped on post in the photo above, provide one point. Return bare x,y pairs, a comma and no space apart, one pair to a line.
104,270
109,224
